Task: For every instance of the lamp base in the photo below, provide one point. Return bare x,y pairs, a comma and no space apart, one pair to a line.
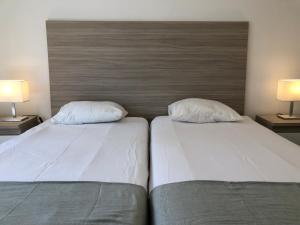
289,117
13,119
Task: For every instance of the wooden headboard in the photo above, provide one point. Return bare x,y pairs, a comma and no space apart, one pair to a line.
147,65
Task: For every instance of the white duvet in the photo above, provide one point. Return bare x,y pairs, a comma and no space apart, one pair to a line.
107,152
239,151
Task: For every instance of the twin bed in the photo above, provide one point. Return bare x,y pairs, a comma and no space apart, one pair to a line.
76,174
206,174
222,173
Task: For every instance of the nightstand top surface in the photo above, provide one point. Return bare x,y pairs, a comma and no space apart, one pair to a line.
279,125
14,124
275,120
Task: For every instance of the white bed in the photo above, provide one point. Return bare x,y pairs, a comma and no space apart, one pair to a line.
240,151
107,152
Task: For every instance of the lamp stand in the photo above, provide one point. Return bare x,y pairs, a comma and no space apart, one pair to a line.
13,110
291,115
14,117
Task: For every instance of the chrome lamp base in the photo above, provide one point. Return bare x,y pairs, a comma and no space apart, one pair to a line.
13,119
291,115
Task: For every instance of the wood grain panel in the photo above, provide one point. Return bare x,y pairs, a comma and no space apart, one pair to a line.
147,65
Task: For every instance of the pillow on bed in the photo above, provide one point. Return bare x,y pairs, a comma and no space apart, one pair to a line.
89,112
196,110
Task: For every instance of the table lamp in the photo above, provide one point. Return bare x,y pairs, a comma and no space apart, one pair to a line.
14,91
289,90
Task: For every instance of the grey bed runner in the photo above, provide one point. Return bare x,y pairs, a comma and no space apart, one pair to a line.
225,203
72,203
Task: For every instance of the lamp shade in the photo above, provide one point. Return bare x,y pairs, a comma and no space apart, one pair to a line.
289,90
14,91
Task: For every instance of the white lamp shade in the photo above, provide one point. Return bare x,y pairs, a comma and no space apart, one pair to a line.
14,91
289,90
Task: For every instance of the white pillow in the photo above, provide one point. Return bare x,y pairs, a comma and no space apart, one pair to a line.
196,110
89,112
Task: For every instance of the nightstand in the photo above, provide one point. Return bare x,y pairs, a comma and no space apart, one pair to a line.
278,125
11,129
289,129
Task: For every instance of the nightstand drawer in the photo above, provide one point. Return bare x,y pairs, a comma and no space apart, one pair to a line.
16,128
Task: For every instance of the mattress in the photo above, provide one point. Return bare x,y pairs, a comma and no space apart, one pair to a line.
235,152
107,152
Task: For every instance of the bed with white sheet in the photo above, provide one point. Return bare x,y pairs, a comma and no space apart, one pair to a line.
76,174
222,173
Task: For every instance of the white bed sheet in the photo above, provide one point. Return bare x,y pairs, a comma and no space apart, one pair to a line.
241,151
107,152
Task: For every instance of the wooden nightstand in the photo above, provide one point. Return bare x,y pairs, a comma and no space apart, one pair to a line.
273,122
11,129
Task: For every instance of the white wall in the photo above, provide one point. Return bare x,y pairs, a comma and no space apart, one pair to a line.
274,49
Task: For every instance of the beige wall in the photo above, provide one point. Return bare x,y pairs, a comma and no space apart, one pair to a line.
274,49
